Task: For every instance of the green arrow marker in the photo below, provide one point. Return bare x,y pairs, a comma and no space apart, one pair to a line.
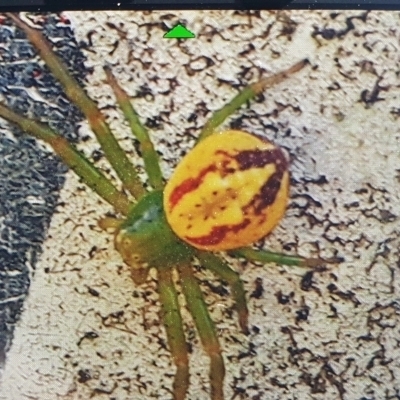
179,32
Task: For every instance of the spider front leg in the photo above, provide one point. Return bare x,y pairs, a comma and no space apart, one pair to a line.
150,156
145,240
173,325
89,174
112,150
206,329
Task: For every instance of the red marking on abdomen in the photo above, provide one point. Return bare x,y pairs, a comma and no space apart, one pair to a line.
217,234
188,185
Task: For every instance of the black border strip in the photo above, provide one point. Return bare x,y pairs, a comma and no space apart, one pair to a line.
72,5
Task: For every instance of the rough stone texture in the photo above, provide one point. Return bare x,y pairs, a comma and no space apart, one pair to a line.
30,176
88,332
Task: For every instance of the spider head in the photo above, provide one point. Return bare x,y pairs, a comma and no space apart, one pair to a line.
145,239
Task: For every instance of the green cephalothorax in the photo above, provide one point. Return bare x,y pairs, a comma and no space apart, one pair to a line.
145,239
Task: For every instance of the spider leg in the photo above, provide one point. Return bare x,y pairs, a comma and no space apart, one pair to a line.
171,315
281,258
206,329
150,156
112,223
248,93
219,267
89,174
112,150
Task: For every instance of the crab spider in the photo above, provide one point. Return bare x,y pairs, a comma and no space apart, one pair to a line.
229,191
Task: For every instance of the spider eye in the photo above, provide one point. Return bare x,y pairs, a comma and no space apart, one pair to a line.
229,191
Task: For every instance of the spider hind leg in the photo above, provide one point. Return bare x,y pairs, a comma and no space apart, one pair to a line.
245,95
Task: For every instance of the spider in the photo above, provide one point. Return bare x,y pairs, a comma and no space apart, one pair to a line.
228,192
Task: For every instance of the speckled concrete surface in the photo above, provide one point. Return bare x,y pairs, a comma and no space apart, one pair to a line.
88,332
30,176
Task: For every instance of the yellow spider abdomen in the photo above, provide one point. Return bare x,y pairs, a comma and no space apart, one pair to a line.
228,192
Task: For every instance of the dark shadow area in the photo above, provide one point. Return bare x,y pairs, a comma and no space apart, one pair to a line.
30,175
